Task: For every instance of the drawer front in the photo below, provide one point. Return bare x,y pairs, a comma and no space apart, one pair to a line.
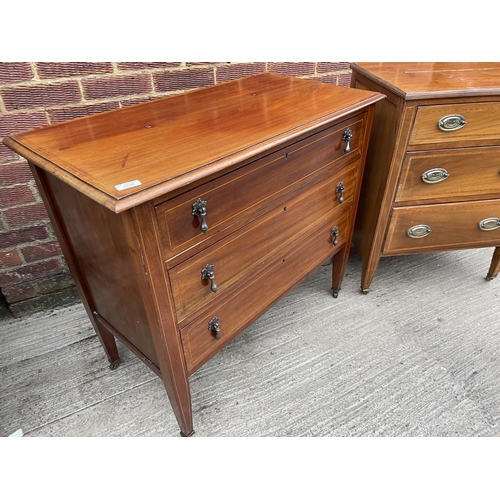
238,255
452,225
452,175
253,186
482,125
236,311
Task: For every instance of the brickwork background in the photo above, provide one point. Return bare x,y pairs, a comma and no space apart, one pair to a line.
33,273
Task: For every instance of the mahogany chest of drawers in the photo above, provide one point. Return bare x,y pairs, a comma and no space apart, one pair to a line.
432,177
184,219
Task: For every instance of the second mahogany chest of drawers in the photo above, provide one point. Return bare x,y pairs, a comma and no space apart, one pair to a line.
432,178
184,219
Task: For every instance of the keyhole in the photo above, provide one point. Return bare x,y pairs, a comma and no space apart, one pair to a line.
284,209
286,156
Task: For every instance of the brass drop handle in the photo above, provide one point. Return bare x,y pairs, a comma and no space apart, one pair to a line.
208,273
347,138
214,326
450,123
200,211
335,235
419,231
435,175
340,191
489,224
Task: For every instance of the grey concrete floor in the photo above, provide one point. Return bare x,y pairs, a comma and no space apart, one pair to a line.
417,356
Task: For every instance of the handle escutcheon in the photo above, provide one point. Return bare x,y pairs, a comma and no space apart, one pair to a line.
335,234
347,138
200,211
451,123
419,231
435,175
214,326
489,224
208,273
340,191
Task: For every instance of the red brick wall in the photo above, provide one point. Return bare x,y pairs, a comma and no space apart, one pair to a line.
33,274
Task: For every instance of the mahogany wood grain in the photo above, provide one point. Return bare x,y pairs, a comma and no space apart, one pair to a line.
164,329
454,226
433,80
234,259
267,152
473,174
406,141
101,249
270,177
168,143
495,264
239,309
49,199
482,127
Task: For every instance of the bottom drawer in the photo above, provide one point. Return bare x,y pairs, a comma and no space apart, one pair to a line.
443,227
278,277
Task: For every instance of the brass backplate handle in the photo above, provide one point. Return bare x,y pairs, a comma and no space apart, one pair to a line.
450,123
419,231
435,175
489,224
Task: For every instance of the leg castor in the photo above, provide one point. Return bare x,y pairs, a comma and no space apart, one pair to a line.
187,435
335,293
365,290
489,277
114,364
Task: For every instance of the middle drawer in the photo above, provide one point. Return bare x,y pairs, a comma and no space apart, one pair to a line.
450,175
238,255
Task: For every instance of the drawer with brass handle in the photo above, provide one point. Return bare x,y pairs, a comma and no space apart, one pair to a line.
432,176
443,227
464,125
450,175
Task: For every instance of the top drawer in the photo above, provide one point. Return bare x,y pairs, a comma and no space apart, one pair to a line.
481,128
254,186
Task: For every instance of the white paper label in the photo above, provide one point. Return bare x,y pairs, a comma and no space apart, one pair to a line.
128,185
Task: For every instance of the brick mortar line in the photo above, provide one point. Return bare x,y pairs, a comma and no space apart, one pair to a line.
36,80
38,201
19,247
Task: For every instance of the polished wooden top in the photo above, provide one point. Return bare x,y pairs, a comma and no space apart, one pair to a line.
159,146
418,80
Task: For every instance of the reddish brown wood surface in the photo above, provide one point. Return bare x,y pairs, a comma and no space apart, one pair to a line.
170,142
406,141
237,256
454,226
269,177
267,152
473,174
482,126
237,311
433,80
